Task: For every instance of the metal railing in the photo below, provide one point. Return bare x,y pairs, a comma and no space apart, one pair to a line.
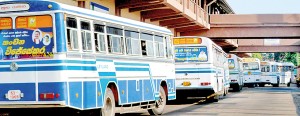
195,8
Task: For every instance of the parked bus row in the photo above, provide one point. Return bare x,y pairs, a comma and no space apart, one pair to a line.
56,55
276,73
259,73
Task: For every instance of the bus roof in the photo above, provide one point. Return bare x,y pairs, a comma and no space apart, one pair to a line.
43,5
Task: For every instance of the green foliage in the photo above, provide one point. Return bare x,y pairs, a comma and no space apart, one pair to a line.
257,55
286,57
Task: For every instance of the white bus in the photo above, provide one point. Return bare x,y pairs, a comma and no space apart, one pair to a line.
235,72
226,77
286,70
56,55
251,71
200,68
269,74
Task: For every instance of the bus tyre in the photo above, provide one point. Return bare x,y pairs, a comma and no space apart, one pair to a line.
160,104
276,85
236,88
261,85
109,104
216,98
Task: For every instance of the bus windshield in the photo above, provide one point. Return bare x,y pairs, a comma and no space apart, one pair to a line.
251,66
191,54
231,64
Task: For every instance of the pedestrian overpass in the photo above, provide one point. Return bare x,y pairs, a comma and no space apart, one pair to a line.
254,32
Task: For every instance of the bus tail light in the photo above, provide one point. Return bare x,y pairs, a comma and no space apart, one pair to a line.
48,95
205,83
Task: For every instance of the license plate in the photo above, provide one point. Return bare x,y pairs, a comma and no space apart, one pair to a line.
257,79
14,95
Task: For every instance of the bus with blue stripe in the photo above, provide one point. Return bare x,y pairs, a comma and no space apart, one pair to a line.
200,68
56,55
235,72
251,71
269,73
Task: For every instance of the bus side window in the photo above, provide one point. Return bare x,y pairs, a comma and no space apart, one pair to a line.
147,44
143,46
72,38
99,38
109,43
132,42
86,36
159,46
169,50
115,40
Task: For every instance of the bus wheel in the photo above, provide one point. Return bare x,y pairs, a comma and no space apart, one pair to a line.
276,85
216,98
261,85
109,104
288,84
236,88
160,104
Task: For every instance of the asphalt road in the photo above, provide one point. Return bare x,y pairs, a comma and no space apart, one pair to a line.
259,101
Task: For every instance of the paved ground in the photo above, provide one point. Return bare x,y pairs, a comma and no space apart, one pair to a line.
259,101
266,101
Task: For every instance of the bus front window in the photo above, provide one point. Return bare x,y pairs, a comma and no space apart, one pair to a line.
191,54
230,63
251,66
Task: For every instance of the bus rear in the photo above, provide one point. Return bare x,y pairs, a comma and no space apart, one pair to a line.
190,63
30,71
199,71
251,71
286,72
235,72
270,74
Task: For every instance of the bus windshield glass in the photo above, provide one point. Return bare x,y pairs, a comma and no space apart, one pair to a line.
251,66
230,63
191,54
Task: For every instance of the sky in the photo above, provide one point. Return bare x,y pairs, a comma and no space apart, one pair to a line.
265,6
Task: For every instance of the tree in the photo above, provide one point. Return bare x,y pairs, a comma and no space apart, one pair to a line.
257,55
291,57
278,57
286,57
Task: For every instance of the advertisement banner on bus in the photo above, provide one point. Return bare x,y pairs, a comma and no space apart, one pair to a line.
196,54
32,38
26,43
